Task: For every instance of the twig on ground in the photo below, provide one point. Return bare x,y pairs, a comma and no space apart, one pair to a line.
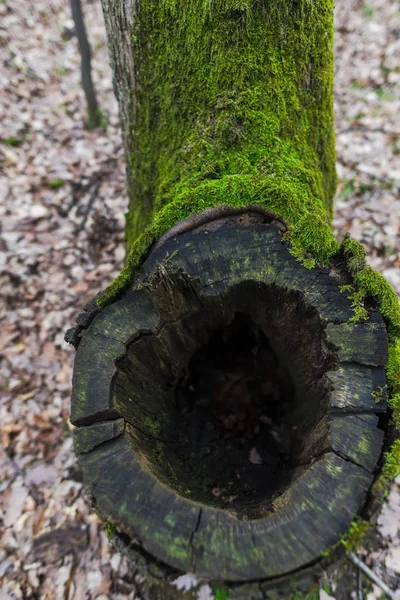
79,188
94,113
372,576
92,198
363,129
359,585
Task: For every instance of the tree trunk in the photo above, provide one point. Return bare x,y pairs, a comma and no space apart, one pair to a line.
94,114
228,384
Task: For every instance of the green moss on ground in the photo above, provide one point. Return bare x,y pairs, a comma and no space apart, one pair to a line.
57,183
355,534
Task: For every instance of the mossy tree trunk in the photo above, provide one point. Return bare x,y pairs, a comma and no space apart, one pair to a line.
226,109
224,101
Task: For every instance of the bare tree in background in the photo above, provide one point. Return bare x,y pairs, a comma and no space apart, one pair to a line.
94,113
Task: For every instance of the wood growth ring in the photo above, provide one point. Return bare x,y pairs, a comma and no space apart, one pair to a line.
227,409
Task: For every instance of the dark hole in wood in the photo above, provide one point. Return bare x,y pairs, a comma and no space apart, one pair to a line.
225,403
234,402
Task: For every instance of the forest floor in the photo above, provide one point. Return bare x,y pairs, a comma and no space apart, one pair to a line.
62,203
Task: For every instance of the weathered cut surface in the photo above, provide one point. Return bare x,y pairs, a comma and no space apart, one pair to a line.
227,405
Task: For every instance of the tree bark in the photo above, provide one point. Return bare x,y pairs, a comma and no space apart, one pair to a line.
229,386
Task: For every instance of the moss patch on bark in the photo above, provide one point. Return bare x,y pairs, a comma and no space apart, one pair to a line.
230,89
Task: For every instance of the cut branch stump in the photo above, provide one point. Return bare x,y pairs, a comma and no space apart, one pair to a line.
228,409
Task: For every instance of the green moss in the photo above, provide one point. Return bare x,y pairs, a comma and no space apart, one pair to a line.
391,467
12,141
57,183
393,367
394,403
152,426
352,539
393,377
378,394
357,298
354,254
110,529
373,284
355,534
221,592
327,588
229,88
370,282
390,470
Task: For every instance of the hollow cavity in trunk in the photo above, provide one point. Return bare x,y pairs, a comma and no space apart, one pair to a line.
235,400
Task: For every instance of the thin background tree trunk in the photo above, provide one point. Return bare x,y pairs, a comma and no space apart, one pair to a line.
94,114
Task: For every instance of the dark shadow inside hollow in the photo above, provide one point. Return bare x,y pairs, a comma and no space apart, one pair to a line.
224,400
235,401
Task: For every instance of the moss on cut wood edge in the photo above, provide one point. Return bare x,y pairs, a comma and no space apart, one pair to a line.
309,232
371,284
351,540
393,376
390,470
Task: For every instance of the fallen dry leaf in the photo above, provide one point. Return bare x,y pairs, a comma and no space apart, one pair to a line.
185,582
254,457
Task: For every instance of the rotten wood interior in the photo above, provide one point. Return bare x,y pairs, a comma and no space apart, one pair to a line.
228,407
